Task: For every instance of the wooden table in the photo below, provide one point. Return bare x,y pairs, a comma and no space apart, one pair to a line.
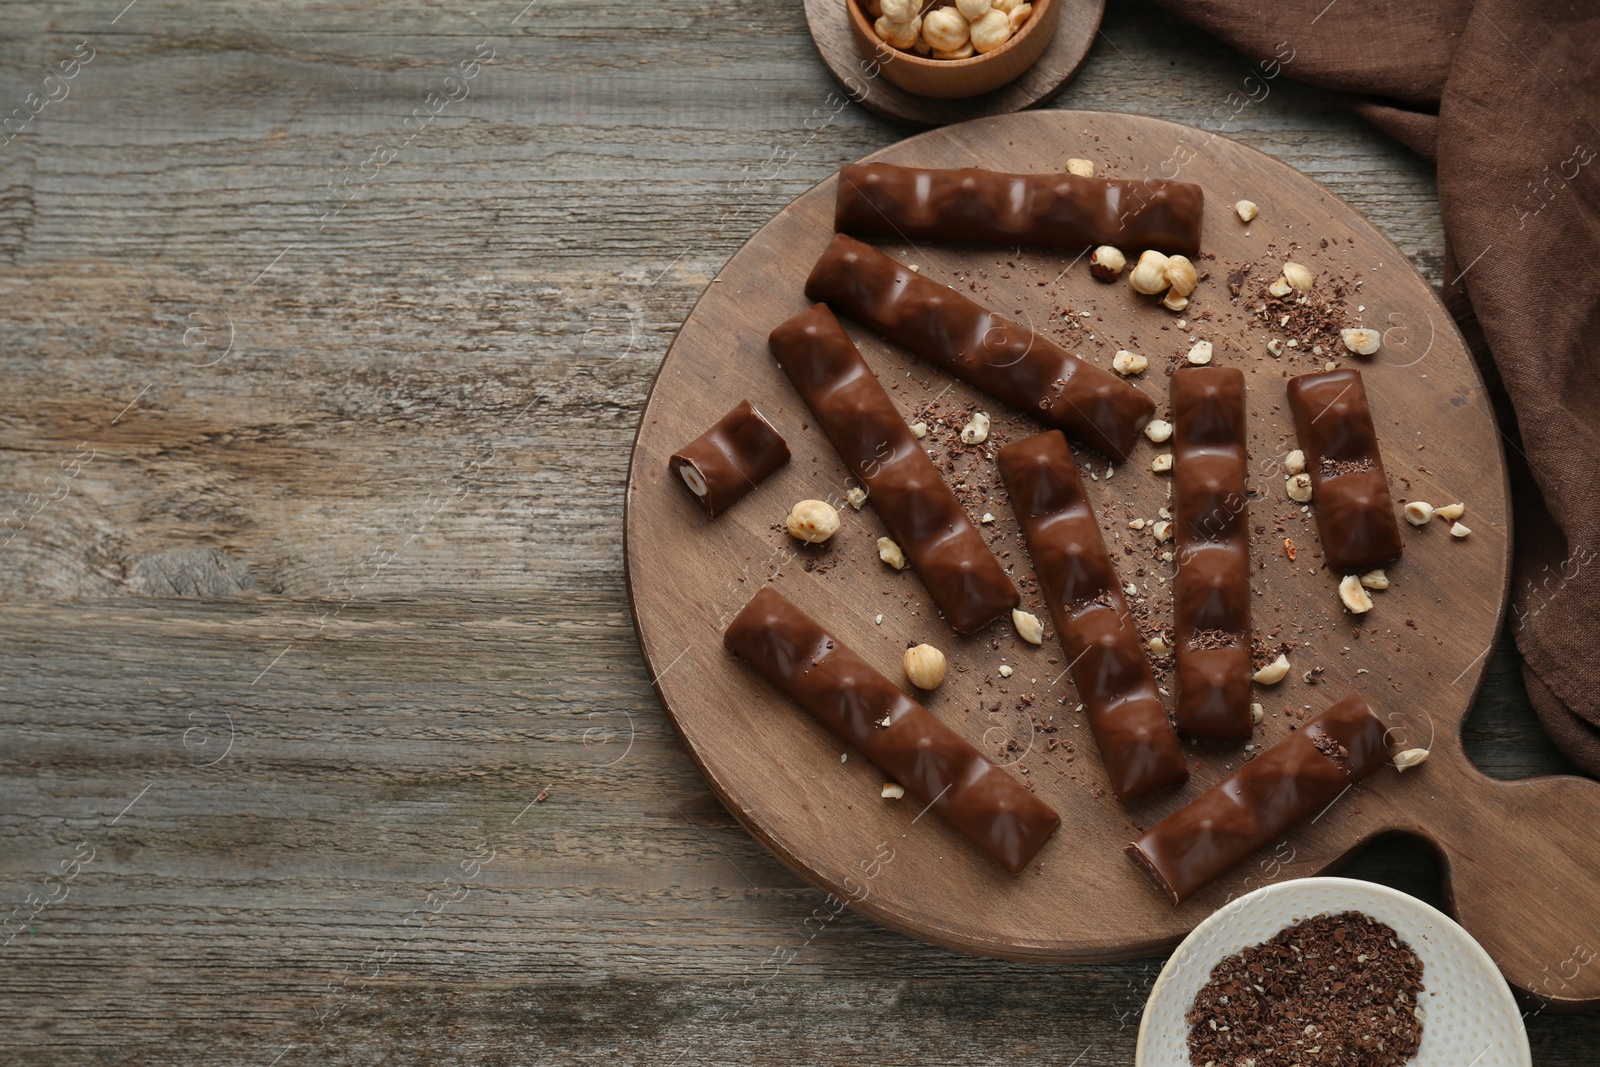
324,736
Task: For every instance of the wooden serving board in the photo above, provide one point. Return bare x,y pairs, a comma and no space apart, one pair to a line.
1517,855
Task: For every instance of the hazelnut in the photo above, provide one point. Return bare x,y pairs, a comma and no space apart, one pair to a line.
1158,645
1162,463
1083,168
1158,430
1298,486
991,31
1180,274
919,430
857,496
901,35
1280,288
1149,275
891,554
1006,671
1411,757
1106,262
1029,628
1008,6
1247,209
1274,346
1173,302
964,52
1298,276
693,479
1458,530
987,518
971,9
1272,673
1200,354
1355,598
1362,342
944,29
1418,512
1257,713
900,10
892,791
925,666
1129,363
1295,462
976,432
1375,579
813,520
1017,16
1450,512
1163,531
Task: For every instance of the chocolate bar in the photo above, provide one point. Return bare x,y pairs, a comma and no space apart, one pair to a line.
727,461
988,351
988,207
1349,492
1291,781
1211,594
922,514
900,737
1137,745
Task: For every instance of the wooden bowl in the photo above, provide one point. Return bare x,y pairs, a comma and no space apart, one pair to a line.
955,78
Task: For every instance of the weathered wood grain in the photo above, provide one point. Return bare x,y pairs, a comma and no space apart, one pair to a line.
538,242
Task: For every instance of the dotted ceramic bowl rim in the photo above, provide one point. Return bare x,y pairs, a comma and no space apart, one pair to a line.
1474,1006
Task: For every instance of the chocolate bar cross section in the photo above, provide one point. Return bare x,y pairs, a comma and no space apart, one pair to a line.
1137,745
985,206
899,736
727,461
988,351
1290,782
922,514
1349,492
1211,593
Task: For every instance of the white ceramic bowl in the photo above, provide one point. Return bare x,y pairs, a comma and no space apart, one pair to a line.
1469,1018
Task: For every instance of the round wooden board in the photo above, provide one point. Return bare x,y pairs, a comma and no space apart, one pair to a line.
1419,655
1068,48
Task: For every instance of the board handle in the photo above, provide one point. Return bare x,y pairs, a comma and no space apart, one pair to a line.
1522,874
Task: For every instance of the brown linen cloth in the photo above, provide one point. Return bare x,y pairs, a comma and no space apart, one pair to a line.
1505,96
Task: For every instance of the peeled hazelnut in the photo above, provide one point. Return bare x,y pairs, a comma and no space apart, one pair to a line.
1128,363
857,496
1173,302
925,666
1295,462
1006,671
919,430
1106,262
1450,512
892,791
1017,16
901,35
1459,530
944,29
1356,599
1375,579
1411,757
964,52
1158,430
1362,342
1008,6
1200,354
1418,512
1149,274
1274,346
1257,713
1298,276
1280,288
1029,628
1298,486
694,479
1180,274
976,432
1163,531
1247,209
1162,463
1083,168
891,554
1272,673
991,31
1158,645
900,10
813,520
971,9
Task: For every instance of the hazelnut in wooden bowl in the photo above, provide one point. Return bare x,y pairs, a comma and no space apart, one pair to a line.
952,48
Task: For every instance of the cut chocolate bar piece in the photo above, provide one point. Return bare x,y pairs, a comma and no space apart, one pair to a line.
990,352
985,206
1140,752
1211,594
899,736
727,461
1253,807
1349,493
922,514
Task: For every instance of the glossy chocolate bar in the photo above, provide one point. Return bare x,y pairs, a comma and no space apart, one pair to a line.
988,351
727,461
988,207
899,736
1349,492
1253,807
922,514
1140,752
1211,594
